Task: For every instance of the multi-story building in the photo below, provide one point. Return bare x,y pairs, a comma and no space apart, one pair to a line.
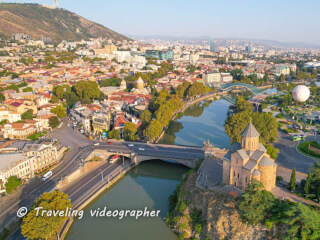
23,159
43,155
101,122
20,130
14,164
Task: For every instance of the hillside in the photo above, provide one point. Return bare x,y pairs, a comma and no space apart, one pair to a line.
58,24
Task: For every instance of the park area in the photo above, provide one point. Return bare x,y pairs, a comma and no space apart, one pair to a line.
310,148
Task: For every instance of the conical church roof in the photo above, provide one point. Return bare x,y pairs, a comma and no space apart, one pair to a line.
250,131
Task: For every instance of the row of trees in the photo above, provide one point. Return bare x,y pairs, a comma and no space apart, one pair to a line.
295,220
84,91
310,187
42,227
164,105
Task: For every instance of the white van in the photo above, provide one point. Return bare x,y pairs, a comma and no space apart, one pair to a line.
46,176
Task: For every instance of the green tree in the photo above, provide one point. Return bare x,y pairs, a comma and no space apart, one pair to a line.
282,78
2,98
243,105
292,184
315,180
54,99
71,98
12,184
255,204
86,90
129,131
54,122
235,125
60,90
306,188
60,111
41,227
153,130
27,89
145,117
114,134
272,151
114,81
28,114
302,222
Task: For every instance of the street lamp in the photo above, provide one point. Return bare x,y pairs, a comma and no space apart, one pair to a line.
101,175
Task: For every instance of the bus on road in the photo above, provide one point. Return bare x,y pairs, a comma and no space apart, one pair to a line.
298,138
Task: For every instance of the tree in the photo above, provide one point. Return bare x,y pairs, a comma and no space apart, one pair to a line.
28,114
255,203
315,180
54,122
272,151
41,227
145,117
302,222
235,125
292,184
54,99
114,134
129,131
60,111
153,130
114,81
71,98
282,78
27,89
60,90
12,184
306,188
2,98
86,90
243,105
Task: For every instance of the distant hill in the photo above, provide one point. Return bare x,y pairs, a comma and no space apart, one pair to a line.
38,21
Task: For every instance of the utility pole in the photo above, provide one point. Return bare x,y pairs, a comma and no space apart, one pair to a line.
101,176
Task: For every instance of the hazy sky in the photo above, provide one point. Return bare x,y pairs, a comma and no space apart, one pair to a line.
283,20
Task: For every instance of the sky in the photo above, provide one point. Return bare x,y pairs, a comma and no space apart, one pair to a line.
282,20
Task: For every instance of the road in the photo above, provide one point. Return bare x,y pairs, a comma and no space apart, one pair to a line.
157,150
289,156
80,149
30,191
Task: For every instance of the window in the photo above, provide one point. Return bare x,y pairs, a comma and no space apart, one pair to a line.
234,173
246,179
238,175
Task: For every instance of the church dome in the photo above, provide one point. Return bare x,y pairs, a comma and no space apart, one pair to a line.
140,83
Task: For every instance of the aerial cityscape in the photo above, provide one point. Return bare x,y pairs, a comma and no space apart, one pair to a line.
187,124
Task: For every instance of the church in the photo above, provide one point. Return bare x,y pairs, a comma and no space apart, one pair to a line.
249,160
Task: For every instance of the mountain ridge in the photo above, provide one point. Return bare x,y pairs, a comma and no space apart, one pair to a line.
59,24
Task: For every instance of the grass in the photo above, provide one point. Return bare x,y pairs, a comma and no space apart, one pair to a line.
303,147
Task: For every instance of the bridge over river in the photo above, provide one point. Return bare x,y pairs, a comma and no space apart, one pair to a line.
138,152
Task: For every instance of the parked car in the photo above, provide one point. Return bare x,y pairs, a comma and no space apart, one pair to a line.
141,149
109,142
130,145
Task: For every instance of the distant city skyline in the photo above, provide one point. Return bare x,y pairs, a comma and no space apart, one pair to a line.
285,21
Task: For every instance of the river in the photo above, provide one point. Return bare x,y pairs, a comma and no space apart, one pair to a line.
152,182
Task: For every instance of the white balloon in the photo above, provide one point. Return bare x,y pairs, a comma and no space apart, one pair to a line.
301,93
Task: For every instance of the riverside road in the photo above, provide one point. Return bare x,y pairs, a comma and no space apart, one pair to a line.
81,149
